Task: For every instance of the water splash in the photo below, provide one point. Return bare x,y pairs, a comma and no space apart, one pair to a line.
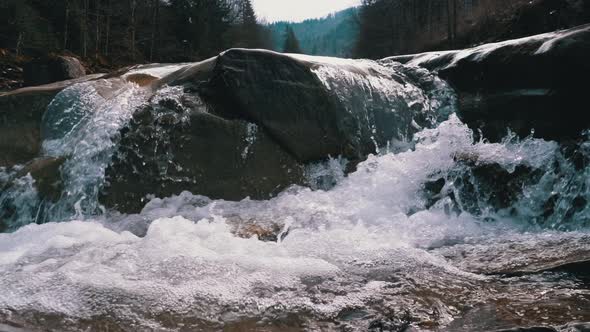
425,228
252,131
82,124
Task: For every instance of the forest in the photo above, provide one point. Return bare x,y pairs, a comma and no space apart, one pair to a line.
130,31
333,35
109,33
393,27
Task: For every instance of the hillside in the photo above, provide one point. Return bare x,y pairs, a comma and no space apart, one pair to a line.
333,35
412,26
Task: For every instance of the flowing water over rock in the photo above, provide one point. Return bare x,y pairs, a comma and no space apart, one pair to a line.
437,232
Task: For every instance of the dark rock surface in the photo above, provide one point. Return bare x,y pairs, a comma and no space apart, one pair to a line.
350,107
478,185
21,112
176,145
286,98
574,327
245,124
20,119
526,84
33,185
46,173
312,117
52,69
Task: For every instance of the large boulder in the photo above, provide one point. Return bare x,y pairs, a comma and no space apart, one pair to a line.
52,69
533,83
244,124
286,98
316,107
175,145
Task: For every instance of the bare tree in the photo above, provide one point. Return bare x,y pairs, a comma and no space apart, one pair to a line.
66,22
132,26
155,26
84,28
97,30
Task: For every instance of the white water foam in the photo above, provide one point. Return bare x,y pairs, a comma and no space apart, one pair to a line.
368,238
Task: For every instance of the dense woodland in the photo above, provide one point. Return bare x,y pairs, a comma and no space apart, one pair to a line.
119,32
392,27
333,35
130,30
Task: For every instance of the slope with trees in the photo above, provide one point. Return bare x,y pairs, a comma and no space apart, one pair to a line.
291,44
129,31
392,27
333,35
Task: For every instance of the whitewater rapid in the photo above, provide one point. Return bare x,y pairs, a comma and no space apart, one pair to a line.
363,249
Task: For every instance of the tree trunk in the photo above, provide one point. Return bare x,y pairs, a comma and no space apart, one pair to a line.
85,29
19,43
107,28
449,23
455,20
155,26
66,21
429,19
97,31
132,4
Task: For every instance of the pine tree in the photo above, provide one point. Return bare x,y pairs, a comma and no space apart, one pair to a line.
246,32
291,43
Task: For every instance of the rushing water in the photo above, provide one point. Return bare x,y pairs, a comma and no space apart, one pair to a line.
377,250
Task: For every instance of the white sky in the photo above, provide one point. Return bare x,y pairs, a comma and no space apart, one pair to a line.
298,10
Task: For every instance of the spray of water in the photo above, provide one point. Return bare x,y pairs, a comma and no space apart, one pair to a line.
421,228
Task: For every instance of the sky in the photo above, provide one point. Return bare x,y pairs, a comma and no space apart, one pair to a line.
298,10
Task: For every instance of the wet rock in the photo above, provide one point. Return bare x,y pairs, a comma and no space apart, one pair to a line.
311,117
245,123
268,232
286,98
480,188
177,145
498,187
433,190
141,79
52,69
564,254
522,85
47,176
577,327
21,112
32,185
530,329
394,323
20,120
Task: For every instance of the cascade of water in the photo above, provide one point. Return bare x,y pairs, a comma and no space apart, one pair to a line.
83,123
370,237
